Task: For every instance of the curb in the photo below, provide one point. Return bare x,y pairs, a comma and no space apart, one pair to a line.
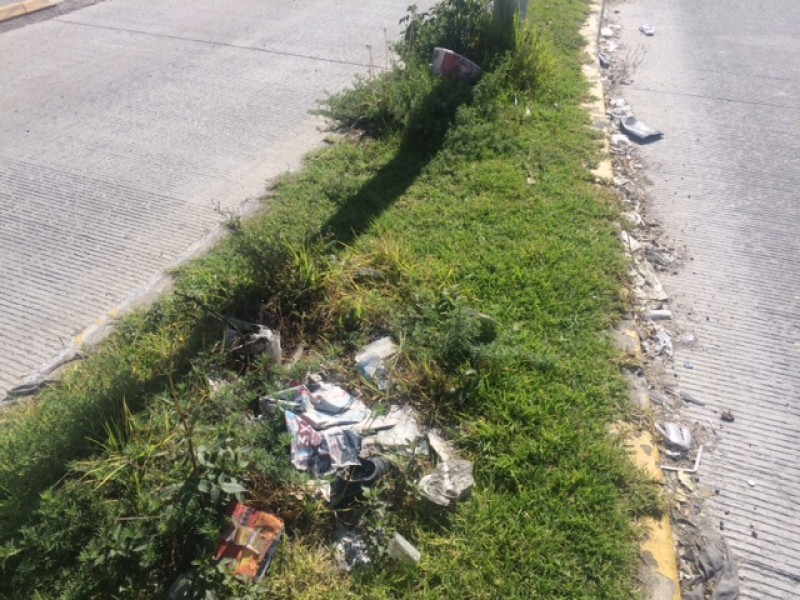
659,576
596,106
26,7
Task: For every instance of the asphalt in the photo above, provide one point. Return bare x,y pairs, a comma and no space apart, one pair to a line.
722,80
130,128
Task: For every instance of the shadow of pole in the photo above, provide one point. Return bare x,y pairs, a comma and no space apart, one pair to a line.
423,138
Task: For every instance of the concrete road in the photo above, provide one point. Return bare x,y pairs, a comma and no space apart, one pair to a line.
722,80
126,124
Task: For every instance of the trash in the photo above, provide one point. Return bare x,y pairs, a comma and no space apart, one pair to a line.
443,449
348,484
662,257
247,346
683,469
400,549
606,32
350,550
332,406
331,398
250,542
321,452
343,448
447,63
676,436
647,285
617,139
688,339
369,361
718,567
631,243
663,343
660,314
727,416
451,482
688,365
603,59
686,481
636,128
687,397
294,399
306,441
397,430
382,348
648,30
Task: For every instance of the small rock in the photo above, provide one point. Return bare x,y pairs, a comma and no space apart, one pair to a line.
727,416
751,482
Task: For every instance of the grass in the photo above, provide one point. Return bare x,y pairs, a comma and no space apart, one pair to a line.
458,201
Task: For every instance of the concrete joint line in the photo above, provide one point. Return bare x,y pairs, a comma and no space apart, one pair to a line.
659,572
25,8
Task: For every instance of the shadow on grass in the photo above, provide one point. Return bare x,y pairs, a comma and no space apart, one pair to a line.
41,459
424,136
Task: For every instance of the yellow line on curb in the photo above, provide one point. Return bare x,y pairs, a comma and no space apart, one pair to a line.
24,8
659,572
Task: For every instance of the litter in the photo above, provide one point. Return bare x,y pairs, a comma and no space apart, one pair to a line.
663,343
688,365
718,567
443,449
661,314
369,361
451,482
647,285
247,346
606,32
648,30
447,63
294,399
397,430
306,441
617,139
349,483
320,408
636,128
685,470
382,348
250,542
676,436
350,550
400,549
660,256
686,481
688,339
342,448
727,416
603,59
330,398
687,397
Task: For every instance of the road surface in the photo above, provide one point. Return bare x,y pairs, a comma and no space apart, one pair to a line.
128,126
722,80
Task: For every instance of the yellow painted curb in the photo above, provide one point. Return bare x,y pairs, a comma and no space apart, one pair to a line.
24,8
596,107
659,573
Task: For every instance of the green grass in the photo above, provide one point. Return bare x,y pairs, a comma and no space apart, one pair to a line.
98,493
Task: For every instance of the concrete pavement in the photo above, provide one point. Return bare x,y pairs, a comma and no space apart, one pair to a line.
722,80
124,125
